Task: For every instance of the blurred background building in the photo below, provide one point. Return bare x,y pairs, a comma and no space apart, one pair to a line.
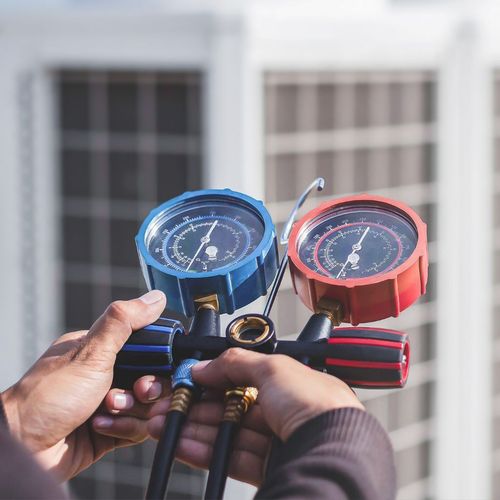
108,108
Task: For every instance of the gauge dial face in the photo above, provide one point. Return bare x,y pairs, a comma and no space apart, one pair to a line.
356,242
204,236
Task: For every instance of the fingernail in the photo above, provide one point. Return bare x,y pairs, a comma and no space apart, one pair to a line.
103,422
152,297
154,391
123,401
199,366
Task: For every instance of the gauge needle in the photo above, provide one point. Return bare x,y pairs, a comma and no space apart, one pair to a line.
353,257
204,240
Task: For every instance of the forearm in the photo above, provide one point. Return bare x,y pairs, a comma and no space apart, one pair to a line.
342,454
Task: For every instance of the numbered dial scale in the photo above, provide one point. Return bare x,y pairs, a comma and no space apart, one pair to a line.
367,252
209,242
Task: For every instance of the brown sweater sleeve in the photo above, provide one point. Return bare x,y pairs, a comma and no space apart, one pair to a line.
20,476
339,455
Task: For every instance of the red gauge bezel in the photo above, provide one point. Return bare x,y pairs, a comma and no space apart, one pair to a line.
395,289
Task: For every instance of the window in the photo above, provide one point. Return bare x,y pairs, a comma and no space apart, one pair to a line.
127,141
365,131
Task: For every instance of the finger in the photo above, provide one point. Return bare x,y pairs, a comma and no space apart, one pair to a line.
212,395
155,426
252,441
235,367
149,388
207,412
127,428
245,439
122,402
247,467
121,318
199,432
244,465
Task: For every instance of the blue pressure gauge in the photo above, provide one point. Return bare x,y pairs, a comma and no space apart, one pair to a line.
209,242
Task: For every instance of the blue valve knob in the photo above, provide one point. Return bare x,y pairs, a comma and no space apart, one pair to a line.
147,351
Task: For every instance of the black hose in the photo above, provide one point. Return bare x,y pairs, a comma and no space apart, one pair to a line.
220,460
165,455
205,322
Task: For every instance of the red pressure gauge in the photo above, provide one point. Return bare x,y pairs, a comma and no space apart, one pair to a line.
367,253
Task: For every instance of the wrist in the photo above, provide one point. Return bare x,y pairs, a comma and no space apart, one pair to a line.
11,410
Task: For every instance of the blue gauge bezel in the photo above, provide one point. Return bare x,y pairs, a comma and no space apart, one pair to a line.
190,196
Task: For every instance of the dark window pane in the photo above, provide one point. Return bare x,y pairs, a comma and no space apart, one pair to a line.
99,176
361,105
128,455
127,293
78,305
325,107
127,282
122,102
77,235
76,173
429,111
410,406
416,460
123,175
74,105
123,252
195,177
176,173
362,166
177,108
194,110
429,161
344,106
285,111
128,492
422,343
430,296
396,103
426,212
83,487
325,168
287,167
395,157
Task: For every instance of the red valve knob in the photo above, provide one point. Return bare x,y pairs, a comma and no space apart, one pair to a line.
369,357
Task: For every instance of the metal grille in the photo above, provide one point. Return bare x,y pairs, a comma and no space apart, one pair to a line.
363,132
127,141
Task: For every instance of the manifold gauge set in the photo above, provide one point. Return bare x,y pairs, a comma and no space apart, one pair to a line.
353,260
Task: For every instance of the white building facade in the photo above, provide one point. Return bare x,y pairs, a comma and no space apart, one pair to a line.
107,110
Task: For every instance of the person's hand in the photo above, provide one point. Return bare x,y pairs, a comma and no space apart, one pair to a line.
50,408
290,394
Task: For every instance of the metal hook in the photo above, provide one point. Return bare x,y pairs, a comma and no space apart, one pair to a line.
319,184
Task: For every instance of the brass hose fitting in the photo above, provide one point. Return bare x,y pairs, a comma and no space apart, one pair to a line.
207,302
330,308
238,402
181,399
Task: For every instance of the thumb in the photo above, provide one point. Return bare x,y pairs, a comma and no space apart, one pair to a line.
121,318
234,367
